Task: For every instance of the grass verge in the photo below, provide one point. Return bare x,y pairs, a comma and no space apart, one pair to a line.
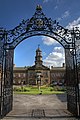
33,90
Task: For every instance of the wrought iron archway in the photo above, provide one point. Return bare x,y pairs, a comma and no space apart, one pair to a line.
39,24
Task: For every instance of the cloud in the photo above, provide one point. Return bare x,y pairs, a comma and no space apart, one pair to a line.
56,7
49,41
65,15
58,49
45,1
70,26
44,53
75,23
56,58
57,4
58,1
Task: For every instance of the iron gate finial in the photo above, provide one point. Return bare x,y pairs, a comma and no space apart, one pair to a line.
39,7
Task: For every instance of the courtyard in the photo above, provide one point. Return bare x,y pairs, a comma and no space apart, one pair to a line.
43,107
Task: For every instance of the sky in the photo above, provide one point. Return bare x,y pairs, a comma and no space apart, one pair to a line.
66,12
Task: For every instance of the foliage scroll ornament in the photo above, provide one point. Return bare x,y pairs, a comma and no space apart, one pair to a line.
39,24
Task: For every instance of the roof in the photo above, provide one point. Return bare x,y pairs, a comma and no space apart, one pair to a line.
58,68
20,68
41,67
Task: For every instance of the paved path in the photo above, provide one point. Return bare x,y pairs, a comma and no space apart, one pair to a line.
43,107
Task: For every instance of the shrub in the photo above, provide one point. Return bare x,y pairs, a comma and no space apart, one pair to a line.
51,89
51,85
25,90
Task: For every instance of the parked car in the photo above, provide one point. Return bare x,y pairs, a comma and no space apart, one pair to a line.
55,83
60,83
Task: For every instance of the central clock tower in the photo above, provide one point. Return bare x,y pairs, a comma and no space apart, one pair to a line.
38,57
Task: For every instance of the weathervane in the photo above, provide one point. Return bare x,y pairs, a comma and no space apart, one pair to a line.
38,45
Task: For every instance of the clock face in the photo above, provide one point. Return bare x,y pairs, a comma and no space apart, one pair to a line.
39,22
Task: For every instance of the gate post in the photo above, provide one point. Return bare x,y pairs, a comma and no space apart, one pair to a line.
71,81
6,75
0,93
78,88
78,76
0,107
2,31
75,37
79,99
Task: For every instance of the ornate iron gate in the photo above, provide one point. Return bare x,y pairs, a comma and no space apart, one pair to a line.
39,24
2,41
6,77
7,82
71,82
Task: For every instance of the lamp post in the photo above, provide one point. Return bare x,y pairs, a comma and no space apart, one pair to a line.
38,79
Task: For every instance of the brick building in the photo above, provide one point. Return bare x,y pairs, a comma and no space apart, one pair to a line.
28,75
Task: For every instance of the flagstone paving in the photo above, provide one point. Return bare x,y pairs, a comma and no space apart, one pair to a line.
43,107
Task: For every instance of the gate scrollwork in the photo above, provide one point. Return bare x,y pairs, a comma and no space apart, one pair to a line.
39,24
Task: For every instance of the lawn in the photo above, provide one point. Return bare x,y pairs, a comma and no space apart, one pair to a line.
33,90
